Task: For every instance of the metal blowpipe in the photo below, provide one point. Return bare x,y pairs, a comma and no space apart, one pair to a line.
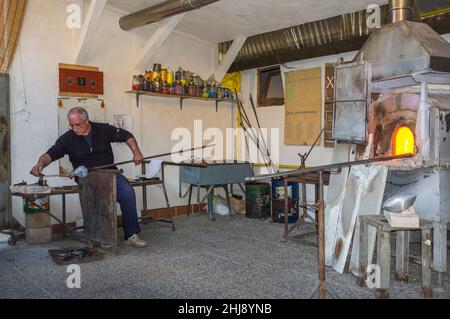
153,156
328,167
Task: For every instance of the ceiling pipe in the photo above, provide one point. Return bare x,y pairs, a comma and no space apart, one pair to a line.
400,10
159,12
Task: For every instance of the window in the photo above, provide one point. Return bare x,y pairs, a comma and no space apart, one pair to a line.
270,87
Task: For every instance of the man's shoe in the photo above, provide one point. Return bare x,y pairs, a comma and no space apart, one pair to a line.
135,241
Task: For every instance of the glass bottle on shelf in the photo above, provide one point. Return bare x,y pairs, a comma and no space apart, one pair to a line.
212,91
206,90
178,88
156,85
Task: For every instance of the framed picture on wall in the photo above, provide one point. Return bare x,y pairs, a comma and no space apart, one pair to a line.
80,81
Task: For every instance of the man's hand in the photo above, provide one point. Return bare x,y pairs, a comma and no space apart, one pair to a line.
43,162
138,158
37,170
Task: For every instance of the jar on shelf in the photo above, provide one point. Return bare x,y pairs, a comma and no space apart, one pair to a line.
212,91
206,90
170,78
178,88
219,92
198,90
157,85
191,89
137,82
177,76
148,75
171,89
164,74
146,85
164,88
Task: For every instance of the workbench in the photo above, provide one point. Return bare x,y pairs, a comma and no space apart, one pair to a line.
214,175
75,189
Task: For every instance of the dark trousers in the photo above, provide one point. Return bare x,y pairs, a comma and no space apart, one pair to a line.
127,200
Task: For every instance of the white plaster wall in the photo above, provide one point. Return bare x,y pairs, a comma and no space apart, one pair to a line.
46,41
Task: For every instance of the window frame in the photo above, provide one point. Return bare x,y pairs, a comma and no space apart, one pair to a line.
262,101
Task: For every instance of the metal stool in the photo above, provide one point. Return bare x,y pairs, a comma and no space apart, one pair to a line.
384,231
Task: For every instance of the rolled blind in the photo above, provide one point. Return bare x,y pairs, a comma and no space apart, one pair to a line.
11,17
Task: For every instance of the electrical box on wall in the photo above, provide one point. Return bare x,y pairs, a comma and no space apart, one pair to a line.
80,80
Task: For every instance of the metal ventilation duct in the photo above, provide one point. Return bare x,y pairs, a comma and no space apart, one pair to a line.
406,52
344,33
400,10
160,11
347,32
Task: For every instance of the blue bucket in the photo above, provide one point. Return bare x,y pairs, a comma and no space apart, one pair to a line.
278,201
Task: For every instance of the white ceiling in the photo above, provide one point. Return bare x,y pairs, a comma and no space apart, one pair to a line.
226,19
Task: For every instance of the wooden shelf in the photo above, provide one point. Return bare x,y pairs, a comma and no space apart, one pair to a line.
180,97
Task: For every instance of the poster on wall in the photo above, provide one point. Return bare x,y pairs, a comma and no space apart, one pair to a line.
303,100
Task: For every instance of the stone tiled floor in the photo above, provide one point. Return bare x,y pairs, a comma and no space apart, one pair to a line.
230,258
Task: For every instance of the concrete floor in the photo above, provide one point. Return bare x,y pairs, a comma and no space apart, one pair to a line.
230,258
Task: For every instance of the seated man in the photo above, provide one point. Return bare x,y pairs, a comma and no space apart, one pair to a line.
89,144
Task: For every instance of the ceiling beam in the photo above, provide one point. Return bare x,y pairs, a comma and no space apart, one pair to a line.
231,55
157,39
90,25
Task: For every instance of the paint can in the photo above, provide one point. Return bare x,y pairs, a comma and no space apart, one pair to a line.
257,200
278,205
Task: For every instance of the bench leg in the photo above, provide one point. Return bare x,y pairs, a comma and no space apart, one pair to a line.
402,256
211,205
384,262
227,193
426,263
363,256
191,187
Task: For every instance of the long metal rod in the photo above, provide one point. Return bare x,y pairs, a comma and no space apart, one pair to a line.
248,132
153,156
321,222
313,146
260,132
327,167
267,161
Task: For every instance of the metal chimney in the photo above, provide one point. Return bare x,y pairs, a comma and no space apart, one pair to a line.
400,10
160,11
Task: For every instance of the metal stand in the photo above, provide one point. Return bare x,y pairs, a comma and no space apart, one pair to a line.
320,207
305,216
160,182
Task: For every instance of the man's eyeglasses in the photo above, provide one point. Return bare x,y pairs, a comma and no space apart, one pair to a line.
77,125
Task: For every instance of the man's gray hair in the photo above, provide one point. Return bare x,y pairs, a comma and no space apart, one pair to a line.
79,110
